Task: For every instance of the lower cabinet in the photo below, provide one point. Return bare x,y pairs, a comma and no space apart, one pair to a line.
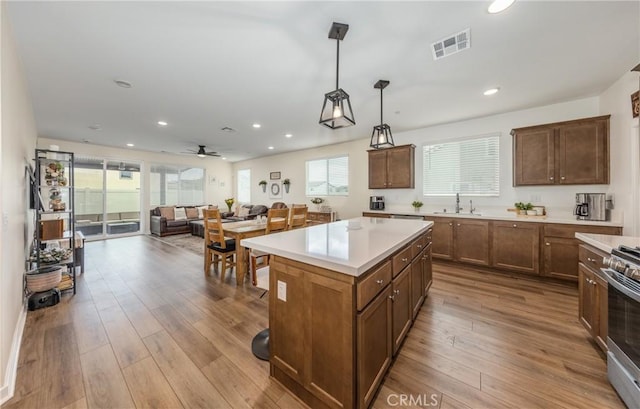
516,246
593,306
442,237
471,241
401,302
427,269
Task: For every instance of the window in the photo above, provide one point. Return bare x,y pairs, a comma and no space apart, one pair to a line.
176,185
328,177
469,167
244,186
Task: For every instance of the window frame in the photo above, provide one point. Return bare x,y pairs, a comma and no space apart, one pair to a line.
238,186
326,159
180,198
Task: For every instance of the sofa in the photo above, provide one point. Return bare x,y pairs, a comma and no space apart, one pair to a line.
246,212
168,220
118,222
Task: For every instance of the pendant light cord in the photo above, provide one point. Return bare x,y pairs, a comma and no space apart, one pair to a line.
381,121
337,62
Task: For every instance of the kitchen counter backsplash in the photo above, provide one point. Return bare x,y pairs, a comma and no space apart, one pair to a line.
553,215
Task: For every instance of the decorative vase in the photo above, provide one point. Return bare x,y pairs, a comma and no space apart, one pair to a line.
286,188
264,188
416,209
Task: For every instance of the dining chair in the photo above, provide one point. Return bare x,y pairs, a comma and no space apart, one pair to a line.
297,216
277,220
216,247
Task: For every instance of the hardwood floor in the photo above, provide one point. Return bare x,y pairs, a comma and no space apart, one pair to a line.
147,329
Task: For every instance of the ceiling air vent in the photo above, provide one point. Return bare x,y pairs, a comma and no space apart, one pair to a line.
451,44
227,129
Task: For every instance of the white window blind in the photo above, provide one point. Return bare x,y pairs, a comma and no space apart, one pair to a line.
470,167
328,177
244,186
175,185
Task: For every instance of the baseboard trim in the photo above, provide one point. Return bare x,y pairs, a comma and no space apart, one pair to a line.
7,390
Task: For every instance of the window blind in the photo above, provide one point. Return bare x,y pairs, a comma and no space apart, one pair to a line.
244,186
470,167
327,177
175,185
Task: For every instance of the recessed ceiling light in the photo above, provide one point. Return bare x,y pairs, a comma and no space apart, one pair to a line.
499,5
224,158
130,145
288,135
271,148
123,83
491,91
162,123
256,126
95,127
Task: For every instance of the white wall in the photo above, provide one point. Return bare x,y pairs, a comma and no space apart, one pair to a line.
215,191
625,149
558,199
17,144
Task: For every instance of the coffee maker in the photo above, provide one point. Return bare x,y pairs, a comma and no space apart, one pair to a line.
376,203
592,206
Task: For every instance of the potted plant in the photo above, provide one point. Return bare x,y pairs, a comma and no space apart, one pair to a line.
230,201
317,201
523,207
416,205
286,184
263,183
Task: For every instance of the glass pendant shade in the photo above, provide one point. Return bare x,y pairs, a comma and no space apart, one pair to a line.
381,137
336,110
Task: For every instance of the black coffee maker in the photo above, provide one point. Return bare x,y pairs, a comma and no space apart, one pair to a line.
376,203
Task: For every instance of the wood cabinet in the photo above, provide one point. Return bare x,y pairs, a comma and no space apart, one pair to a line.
320,217
401,307
417,288
460,239
392,168
560,249
592,289
570,152
427,269
516,246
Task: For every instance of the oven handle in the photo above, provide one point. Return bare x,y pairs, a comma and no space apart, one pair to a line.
608,274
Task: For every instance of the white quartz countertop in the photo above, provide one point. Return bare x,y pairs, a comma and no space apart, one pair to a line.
532,219
348,246
607,242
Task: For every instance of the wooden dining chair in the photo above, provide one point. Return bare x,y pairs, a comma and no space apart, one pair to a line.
297,216
216,247
277,220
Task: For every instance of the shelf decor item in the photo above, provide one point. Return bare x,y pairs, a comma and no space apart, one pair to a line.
416,205
381,136
44,278
230,201
317,201
336,109
286,184
263,184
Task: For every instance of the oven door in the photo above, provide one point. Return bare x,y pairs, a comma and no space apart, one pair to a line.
623,341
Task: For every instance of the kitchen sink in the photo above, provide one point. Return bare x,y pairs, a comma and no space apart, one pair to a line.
458,214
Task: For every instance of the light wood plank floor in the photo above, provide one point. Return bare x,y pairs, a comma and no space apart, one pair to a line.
147,329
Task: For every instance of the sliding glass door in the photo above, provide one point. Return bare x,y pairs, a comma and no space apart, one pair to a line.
107,196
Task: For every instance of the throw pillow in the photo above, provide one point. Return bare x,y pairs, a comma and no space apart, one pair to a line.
192,212
167,212
200,209
244,211
180,213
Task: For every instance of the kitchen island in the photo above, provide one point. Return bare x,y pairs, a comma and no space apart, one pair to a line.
343,297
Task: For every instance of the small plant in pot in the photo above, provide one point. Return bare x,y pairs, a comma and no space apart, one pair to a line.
230,201
523,207
286,184
317,201
263,184
416,205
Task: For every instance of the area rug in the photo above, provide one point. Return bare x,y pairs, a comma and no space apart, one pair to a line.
186,241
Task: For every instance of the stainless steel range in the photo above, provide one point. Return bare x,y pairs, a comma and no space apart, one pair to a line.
623,359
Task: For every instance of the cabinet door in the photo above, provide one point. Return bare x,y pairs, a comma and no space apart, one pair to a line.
375,346
587,299
427,269
400,167
516,246
583,152
443,238
472,241
561,258
417,288
601,309
378,169
401,288
533,156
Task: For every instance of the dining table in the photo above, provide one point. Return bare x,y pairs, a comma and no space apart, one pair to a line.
238,231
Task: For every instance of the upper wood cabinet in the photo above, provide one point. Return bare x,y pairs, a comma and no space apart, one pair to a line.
571,152
392,168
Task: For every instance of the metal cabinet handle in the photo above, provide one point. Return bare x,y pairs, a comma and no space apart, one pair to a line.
380,281
404,260
515,225
396,292
393,297
547,244
458,224
562,177
550,177
589,259
419,246
451,224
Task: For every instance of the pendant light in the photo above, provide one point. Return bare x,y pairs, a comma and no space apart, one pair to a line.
381,136
336,110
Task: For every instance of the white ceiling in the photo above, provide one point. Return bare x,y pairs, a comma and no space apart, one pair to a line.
202,66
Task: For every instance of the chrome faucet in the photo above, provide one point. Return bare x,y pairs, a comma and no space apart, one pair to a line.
458,208
471,208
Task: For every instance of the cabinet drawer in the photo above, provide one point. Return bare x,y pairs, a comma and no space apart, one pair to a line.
369,287
428,237
591,257
417,246
569,231
401,260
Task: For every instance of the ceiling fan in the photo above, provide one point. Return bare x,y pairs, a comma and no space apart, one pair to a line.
201,152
